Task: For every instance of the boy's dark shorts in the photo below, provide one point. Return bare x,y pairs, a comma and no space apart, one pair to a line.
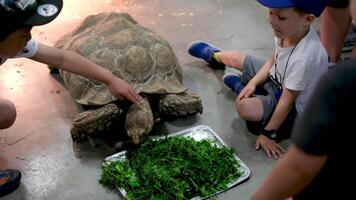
251,66
339,3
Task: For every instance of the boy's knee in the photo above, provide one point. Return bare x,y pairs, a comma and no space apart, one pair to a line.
249,109
7,113
241,108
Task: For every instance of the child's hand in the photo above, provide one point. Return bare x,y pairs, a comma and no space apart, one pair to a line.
248,91
122,90
269,146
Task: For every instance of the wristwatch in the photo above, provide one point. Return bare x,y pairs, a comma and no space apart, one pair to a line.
271,134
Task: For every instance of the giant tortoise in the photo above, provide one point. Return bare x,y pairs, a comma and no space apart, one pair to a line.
137,55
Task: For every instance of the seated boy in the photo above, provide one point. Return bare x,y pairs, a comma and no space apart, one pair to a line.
286,79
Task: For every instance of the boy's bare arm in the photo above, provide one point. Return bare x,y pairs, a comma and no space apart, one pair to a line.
71,62
75,63
284,106
263,74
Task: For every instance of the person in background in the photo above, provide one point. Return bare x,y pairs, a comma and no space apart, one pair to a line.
336,31
270,94
17,19
318,163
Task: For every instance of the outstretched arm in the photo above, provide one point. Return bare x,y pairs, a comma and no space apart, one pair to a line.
290,175
75,63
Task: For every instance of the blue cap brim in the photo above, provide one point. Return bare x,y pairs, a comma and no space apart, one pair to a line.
277,3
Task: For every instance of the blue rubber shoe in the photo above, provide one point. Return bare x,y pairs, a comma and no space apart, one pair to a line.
205,51
233,82
14,177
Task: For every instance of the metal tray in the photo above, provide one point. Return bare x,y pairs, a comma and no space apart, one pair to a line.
198,133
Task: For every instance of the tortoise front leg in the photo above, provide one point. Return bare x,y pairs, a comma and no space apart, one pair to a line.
139,121
94,121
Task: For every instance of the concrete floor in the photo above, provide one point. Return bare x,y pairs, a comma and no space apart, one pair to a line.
39,143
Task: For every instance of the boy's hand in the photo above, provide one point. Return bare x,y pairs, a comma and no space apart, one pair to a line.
122,90
269,146
248,91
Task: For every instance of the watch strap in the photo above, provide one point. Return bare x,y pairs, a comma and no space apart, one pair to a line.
271,134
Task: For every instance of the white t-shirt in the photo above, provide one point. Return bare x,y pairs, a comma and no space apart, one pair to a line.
28,51
307,63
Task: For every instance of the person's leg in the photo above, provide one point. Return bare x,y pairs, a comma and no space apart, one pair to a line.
234,59
334,26
250,109
215,56
7,113
258,110
205,51
10,178
249,65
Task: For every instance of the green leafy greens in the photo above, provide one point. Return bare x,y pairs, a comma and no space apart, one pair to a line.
173,168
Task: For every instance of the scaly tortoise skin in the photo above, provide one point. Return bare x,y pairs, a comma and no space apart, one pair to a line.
137,55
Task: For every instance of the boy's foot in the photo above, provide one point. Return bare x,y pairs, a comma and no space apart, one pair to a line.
233,81
205,51
9,181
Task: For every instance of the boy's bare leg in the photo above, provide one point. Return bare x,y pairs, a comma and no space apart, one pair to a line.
250,109
7,113
233,59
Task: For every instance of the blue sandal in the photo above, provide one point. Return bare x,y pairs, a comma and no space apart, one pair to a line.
12,184
233,82
205,51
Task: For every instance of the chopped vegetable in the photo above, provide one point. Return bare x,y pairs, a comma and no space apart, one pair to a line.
173,168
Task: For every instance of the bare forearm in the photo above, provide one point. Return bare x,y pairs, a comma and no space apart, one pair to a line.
77,64
263,74
279,115
284,106
275,187
295,168
72,62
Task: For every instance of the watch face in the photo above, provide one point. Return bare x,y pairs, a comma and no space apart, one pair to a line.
273,135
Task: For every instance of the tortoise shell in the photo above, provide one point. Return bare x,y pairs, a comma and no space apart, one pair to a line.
130,51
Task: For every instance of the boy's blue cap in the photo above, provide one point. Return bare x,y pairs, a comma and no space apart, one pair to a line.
314,7
29,12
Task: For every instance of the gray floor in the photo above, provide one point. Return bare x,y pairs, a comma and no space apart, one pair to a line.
39,143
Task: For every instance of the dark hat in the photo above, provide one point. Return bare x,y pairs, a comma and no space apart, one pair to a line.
29,12
314,7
